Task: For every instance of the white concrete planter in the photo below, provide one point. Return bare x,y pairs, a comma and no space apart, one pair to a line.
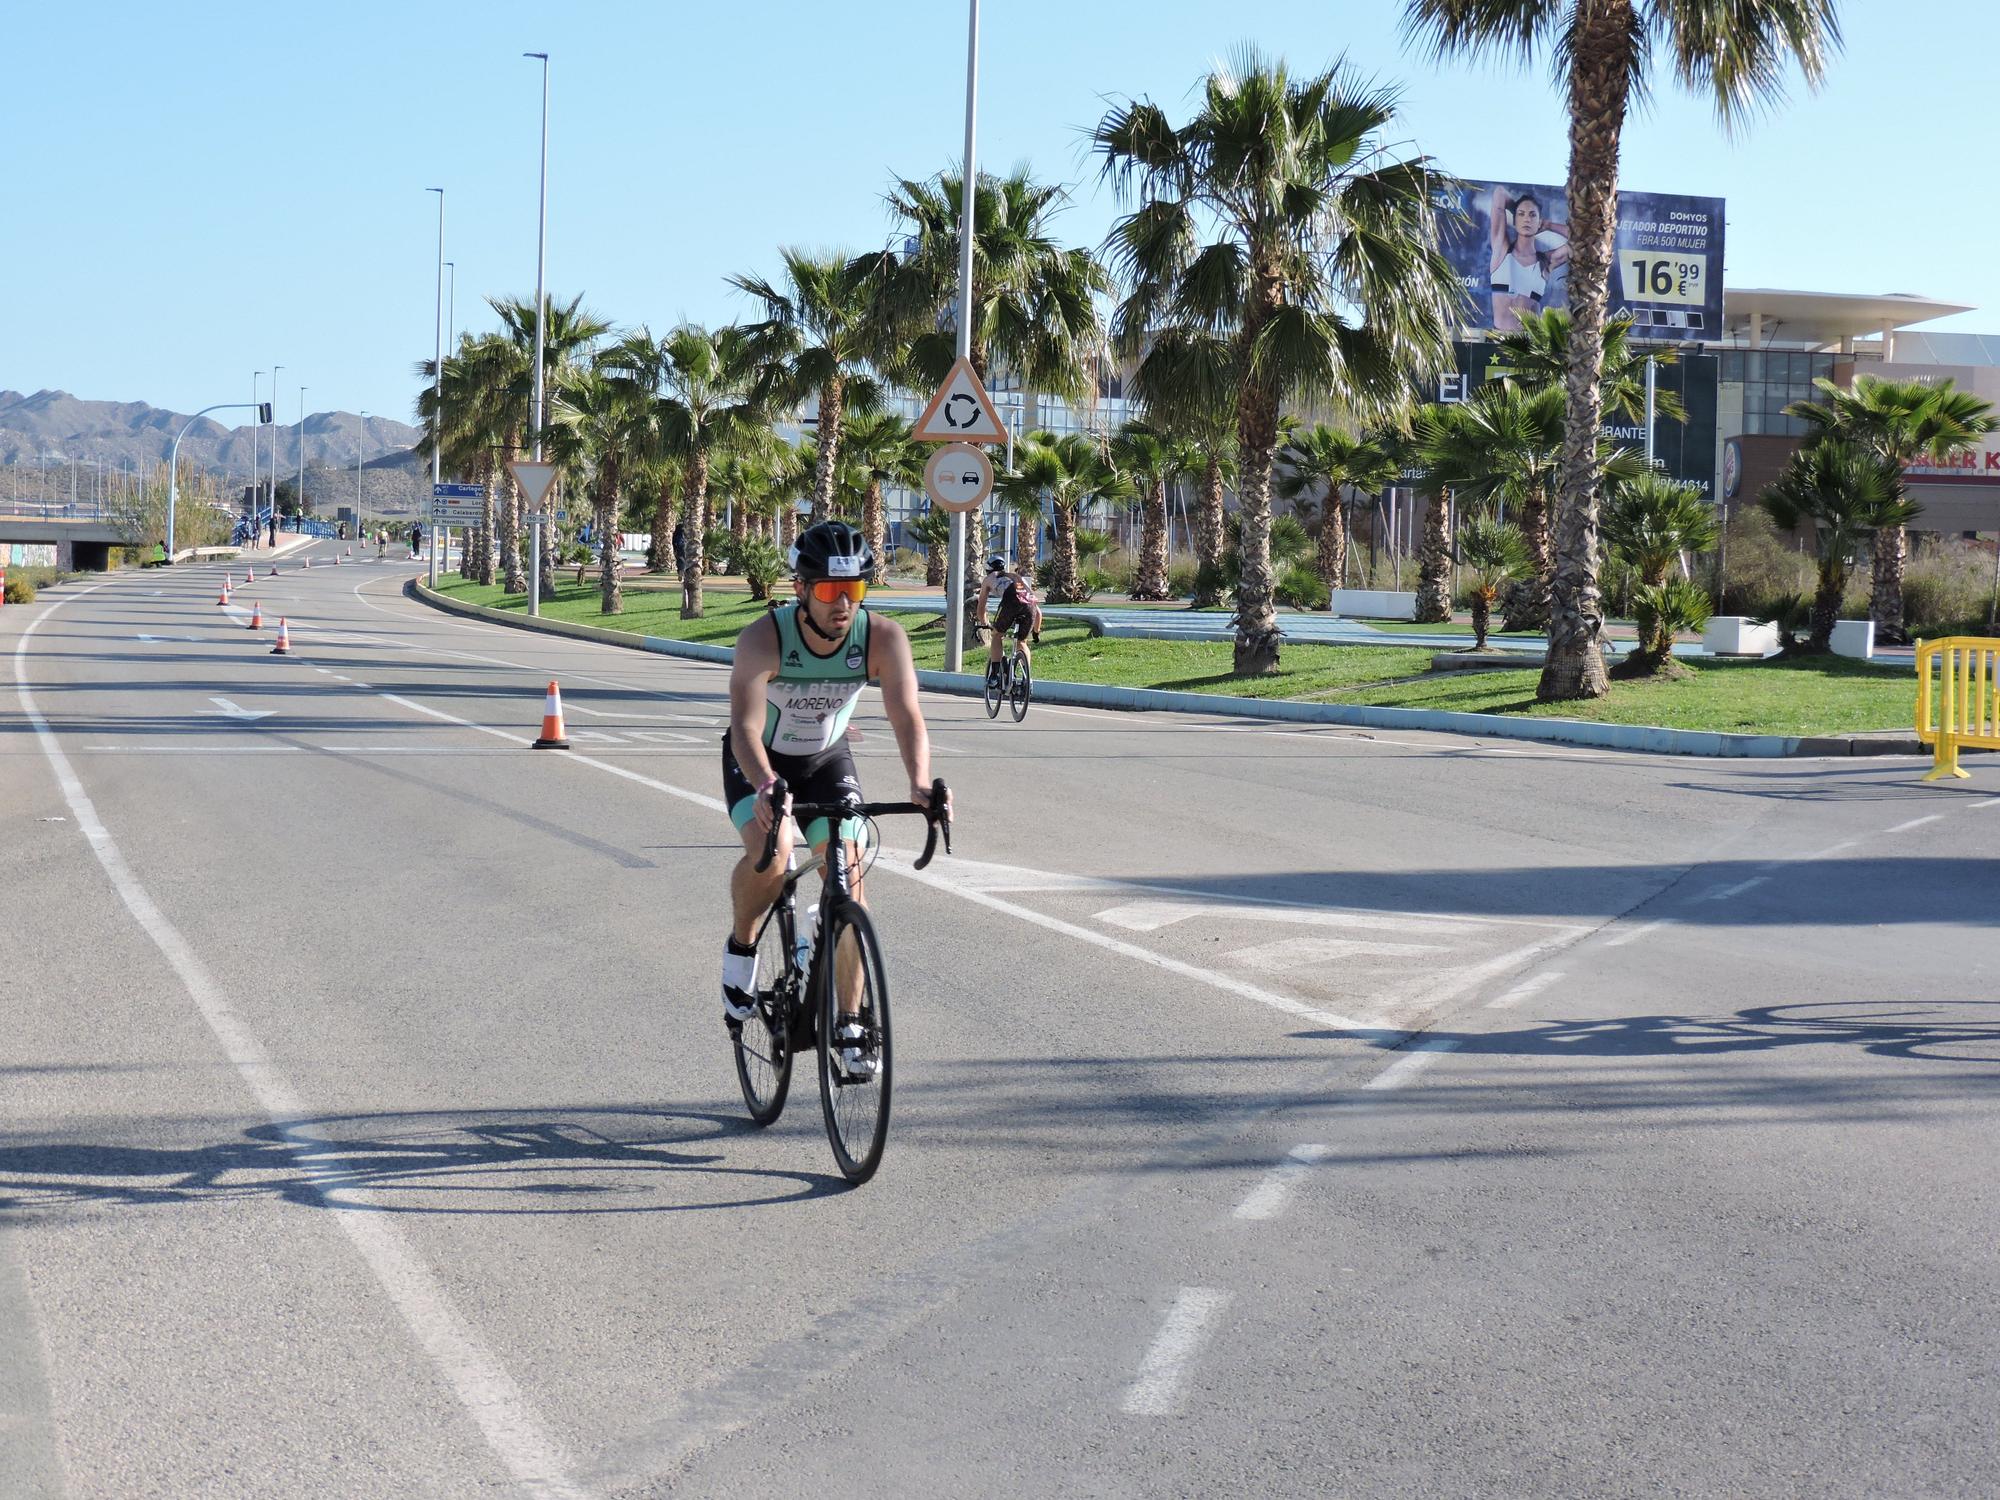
1375,604
1738,635
1855,638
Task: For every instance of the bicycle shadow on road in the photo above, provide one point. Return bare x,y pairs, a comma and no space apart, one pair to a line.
587,1160
1948,1031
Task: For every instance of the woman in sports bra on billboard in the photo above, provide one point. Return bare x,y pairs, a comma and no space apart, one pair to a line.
1526,252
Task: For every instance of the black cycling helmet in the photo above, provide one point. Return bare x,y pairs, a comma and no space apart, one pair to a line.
832,549
996,564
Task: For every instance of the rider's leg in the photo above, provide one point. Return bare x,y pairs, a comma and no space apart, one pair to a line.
751,894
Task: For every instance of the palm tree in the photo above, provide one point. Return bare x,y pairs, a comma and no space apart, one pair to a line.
1034,313
1906,422
1492,552
1313,219
1736,53
696,388
820,338
598,420
1070,471
883,453
1536,358
933,530
1145,454
571,334
1328,460
1650,522
1844,494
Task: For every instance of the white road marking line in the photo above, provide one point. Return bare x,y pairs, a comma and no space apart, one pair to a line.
1633,934
1411,1064
1189,1321
1914,823
484,1388
1309,952
1268,1198
225,709
1725,892
1150,916
1989,802
1526,989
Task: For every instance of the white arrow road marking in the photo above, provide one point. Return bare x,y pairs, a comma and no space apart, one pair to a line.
225,709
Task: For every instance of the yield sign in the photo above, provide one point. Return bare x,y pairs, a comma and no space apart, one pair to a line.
961,411
533,478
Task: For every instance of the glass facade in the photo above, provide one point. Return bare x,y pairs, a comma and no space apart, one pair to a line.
1773,379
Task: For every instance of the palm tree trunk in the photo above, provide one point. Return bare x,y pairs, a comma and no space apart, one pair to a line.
1257,634
489,479
1434,564
975,565
1600,71
1065,585
612,600
1482,617
1826,607
934,556
1208,536
1528,596
1885,603
660,551
694,517
832,401
1028,540
875,529
1149,580
1332,543
551,503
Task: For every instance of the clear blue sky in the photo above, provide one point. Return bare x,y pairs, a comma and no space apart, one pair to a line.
199,190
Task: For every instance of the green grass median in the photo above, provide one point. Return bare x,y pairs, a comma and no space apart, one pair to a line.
1823,696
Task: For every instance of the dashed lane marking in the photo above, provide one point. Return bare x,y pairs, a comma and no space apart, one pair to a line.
1190,1321
1914,823
1407,1067
1268,1198
1526,989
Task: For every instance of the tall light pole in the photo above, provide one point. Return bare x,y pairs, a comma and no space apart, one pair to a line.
954,585
174,465
541,328
274,441
451,304
256,435
360,452
437,386
302,450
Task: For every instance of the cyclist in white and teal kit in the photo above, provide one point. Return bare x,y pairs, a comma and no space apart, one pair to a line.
798,674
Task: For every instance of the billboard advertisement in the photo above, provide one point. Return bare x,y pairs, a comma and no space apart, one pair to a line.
1511,252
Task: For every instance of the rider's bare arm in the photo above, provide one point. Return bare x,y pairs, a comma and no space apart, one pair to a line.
890,663
755,665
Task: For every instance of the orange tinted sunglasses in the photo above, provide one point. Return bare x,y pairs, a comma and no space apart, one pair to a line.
826,590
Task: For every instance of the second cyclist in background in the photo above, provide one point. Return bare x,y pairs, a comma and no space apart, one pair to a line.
1018,611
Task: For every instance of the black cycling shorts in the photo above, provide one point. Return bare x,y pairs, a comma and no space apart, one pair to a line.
1015,616
824,777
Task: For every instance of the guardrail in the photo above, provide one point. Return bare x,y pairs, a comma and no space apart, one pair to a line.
55,510
1961,710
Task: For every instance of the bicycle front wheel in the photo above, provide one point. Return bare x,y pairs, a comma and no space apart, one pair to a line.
854,1097
763,1043
1018,692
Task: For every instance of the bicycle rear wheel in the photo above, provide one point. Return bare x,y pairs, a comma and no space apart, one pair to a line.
763,1043
996,690
856,1104
1022,687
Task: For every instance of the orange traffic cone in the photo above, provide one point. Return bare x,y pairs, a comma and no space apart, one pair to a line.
257,616
554,736
284,646
222,599
309,562
250,573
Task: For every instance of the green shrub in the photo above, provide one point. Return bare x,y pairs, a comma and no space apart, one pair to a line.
1946,587
19,589
1093,544
762,565
1302,588
1180,579
1767,574
718,549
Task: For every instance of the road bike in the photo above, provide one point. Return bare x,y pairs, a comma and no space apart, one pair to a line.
799,991
1012,684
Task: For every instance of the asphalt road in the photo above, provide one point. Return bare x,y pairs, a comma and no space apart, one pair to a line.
1280,1112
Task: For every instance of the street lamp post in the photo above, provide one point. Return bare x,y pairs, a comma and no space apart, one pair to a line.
174,465
954,588
256,437
437,387
360,452
274,445
541,328
302,450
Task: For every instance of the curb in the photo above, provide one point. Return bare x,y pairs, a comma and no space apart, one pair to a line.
1641,738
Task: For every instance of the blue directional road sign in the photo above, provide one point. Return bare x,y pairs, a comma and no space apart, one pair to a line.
458,492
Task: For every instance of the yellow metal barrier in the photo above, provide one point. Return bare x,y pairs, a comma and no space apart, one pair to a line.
1961,708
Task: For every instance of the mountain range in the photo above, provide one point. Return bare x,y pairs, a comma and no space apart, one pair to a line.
52,428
